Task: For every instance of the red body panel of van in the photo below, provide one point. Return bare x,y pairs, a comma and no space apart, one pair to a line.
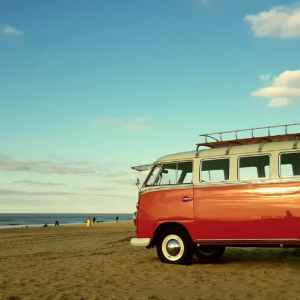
255,211
242,211
160,206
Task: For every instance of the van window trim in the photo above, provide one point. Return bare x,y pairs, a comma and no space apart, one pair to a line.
279,164
208,182
169,162
184,161
253,179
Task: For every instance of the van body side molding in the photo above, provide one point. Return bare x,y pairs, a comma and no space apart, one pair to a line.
246,240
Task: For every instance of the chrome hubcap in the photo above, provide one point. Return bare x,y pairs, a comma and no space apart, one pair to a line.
172,247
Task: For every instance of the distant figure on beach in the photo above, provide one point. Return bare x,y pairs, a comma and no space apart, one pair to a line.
88,222
56,223
117,219
45,225
94,220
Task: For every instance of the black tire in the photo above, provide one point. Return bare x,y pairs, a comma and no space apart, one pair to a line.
174,246
209,251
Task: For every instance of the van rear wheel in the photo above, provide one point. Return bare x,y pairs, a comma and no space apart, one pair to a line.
209,251
174,246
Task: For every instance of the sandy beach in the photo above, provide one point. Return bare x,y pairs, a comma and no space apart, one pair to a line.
76,262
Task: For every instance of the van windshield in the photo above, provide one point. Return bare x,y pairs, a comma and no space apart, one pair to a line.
153,175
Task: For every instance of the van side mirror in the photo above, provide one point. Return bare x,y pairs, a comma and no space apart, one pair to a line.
137,183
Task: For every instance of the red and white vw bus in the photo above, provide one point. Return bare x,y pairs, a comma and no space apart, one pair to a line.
241,192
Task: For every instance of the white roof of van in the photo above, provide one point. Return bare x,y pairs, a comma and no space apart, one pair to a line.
233,149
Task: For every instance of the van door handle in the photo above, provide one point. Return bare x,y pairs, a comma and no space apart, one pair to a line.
187,199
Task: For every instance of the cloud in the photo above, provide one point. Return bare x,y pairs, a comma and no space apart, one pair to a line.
42,166
279,102
76,163
279,22
104,188
30,182
8,30
113,173
283,89
25,193
127,124
265,78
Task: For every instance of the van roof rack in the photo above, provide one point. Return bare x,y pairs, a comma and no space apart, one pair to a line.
247,141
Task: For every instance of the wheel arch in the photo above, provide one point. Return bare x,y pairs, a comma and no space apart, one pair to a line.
164,225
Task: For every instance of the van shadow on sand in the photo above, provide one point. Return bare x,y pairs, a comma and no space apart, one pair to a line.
233,254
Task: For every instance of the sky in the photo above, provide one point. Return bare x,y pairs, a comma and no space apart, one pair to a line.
90,88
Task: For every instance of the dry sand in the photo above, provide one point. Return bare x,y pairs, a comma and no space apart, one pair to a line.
98,263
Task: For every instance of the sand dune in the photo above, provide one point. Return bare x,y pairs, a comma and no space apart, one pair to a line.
98,263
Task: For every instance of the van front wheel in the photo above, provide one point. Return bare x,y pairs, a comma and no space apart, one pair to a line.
174,246
209,251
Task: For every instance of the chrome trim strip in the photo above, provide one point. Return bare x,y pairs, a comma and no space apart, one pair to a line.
248,182
246,240
216,184
165,187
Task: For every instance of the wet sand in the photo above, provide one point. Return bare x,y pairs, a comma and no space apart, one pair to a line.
76,262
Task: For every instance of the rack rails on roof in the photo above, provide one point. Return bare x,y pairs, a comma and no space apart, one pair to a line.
247,141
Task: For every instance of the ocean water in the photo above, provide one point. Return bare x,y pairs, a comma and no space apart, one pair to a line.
38,220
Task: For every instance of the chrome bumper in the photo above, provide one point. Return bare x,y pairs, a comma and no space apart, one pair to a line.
144,242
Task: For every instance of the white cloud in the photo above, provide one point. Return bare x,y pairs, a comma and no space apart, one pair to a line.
288,78
30,182
42,166
283,89
265,78
278,91
78,163
127,124
8,30
279,102
279,22
26,193
45,166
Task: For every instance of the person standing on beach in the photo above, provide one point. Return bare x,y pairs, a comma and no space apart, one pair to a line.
117,219
88,223
94,220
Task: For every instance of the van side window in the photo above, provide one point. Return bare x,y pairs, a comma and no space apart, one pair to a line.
214,169
185,172
253,167
167,174
289,164
171,173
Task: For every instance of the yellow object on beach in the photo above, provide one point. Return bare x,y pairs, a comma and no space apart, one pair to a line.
88,223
